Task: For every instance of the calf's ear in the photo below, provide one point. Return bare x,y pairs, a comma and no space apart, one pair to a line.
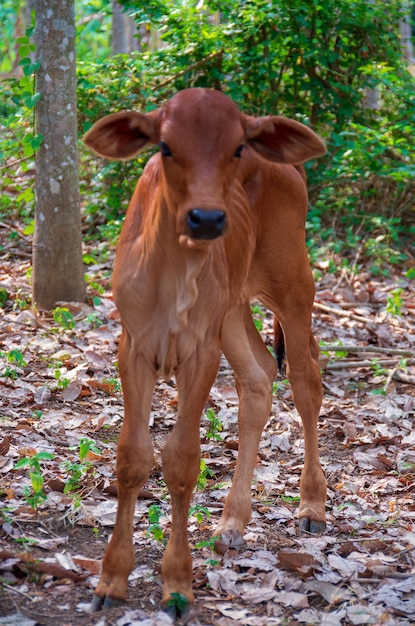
122,135
282,140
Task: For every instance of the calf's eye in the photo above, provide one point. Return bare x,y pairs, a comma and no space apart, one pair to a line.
165,150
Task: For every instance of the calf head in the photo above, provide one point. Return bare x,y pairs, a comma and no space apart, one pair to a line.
202,135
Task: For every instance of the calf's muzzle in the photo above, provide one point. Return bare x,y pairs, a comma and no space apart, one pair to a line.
203,224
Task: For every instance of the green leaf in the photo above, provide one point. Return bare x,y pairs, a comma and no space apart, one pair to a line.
46,456
28,69
37,481
21,463
36,142
26,196
178,601
24,51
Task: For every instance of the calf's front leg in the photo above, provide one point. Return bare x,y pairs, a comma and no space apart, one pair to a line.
134,463
181,466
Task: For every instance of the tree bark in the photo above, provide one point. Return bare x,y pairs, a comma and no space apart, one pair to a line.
406,34
119,29
58,272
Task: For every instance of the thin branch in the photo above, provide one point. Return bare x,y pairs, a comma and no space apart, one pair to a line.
10,165
404,378
340,365
375,349
390,377
342,313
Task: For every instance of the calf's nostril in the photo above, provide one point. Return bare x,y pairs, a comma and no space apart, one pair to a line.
193,218
205,224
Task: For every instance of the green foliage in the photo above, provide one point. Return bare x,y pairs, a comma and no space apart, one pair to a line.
63,318
76,470
204,475
199,512
394,302
87,445
154,529
178,601
3,296
18,98
14,357
316,62
215,425
35,494
258,316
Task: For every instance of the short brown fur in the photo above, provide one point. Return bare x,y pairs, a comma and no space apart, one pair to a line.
182,300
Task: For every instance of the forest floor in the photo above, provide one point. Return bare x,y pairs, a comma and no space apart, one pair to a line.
60,395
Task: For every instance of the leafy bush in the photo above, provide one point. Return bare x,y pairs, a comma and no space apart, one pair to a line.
320,63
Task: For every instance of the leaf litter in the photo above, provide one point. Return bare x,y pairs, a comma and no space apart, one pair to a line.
59,390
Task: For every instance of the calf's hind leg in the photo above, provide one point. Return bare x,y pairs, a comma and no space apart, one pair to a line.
304,375
255,371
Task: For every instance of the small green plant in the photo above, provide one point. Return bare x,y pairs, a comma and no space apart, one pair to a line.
21,301
94,319
77,469
290,499
16,357
4,296
5,513
394,302
63,382
204,475
258,316
199,512
279,385
155,530
27,541
215,425
114,385
377,368
179,602
87,445
63,318
35,495
210,545
9,372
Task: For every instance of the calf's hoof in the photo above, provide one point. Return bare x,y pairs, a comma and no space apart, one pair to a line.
229,540
314,527
99,603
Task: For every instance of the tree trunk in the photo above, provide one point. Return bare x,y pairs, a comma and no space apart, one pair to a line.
119,29
132,35
58,272
406,34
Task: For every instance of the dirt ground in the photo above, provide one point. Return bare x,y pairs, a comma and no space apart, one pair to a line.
360,571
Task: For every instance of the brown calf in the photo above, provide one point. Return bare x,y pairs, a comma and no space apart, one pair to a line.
217,218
